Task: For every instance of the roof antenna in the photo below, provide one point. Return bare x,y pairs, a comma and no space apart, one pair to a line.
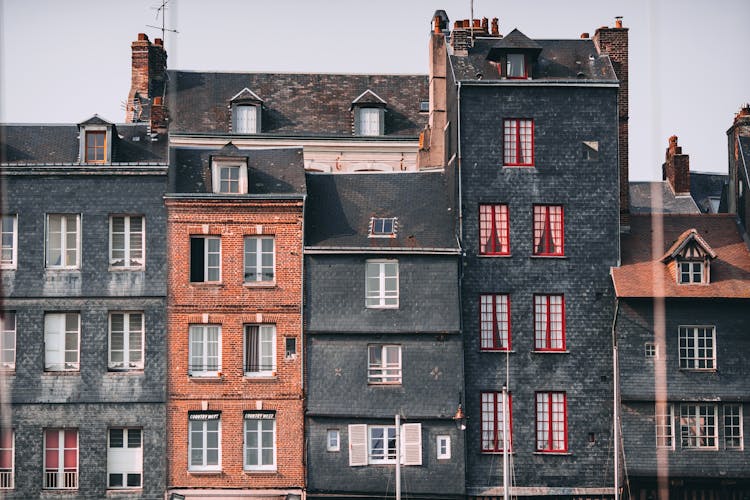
162,9
471,24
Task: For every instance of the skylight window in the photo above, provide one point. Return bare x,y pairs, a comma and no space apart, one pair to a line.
383,227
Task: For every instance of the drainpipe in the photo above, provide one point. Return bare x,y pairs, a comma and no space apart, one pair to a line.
616,403
458,167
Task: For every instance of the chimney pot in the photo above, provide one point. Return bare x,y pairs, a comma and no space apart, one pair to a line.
159,41
477,23
584,35
142,37
618,22
466,23
495,28
157,101
436,27
485,24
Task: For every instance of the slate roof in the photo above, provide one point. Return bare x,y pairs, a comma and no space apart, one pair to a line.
745,155
58,144
340,206
294,104
559,60
643,274
278,171
644,199
704,186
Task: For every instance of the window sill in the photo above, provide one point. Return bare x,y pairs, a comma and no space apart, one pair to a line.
124,371
707,448
259,284
255,472
384,384
209,472
554,453
260,378
66,373
207,284
124,491
500,452
9,267
551,352
537,256
501,351
519,167
206,378
699,370
114,269
62,269
381,307
494,255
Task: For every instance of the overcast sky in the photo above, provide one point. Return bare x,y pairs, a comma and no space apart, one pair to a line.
63,61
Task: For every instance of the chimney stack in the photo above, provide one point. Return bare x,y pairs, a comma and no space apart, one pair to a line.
614,43
676,168
431,140
495,27
148,80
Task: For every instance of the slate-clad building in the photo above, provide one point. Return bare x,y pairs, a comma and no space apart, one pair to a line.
83,270
382,326
537,159
682,340
235,395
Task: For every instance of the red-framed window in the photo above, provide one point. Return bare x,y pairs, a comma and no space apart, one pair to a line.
549,230
494,322
494,232
549,322
518,142
551,422
493,420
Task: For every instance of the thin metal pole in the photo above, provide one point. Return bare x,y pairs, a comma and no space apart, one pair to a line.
505,443
398,457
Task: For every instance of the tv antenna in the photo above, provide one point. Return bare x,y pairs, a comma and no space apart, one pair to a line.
162,10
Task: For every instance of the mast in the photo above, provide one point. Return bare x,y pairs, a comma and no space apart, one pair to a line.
398,457
505,443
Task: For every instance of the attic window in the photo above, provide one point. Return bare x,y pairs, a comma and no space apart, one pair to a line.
229,177
369,121
245,118
690,272
96,147
515,66
383,227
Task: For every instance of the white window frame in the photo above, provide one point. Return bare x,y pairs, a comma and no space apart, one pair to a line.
376,275
201,426
443,444
207,253
201,370
664,428
218,168
56,325
266,337
9,334
738,426
361,445
258,450
690,272
383,372
651,350
128,261
7,476
247,126
125,460
379,227
690,358
369,121
64,249
126,363
695,426
333,440
11,219
257,267
388,453
68,480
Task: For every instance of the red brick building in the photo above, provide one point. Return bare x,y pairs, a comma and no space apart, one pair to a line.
235,396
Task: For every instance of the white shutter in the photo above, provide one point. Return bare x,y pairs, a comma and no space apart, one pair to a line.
357,445
54,341
411,444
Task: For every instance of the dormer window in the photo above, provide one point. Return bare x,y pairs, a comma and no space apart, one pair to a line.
229,176
383,227
369,114
96,138
691,257
247,110
690,272
515,66
96,147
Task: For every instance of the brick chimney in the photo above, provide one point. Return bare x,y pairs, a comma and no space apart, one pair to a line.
738,204
147,87
461,38
676,168
432,140
614,43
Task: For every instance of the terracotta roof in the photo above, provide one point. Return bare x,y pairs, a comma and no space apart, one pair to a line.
643,274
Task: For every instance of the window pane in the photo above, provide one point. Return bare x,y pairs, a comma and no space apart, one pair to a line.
115,438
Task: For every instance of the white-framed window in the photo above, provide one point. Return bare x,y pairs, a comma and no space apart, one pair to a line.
733,439
61,459
443,447
381,284
63,241
690,272
369,121
229,177
124,458
333,440
260,259
665,427
8,241
204,441
260,350
260,440
7,459
205,259
127,241
383,364
245,118
383,227
126,336
62,334
697,347
7,340
205,350
650,350
699,426
376,444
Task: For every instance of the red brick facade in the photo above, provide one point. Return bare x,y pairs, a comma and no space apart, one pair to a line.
232,304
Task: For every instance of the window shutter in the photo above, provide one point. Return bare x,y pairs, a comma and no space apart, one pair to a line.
411,444
54,338
357,445
196,260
